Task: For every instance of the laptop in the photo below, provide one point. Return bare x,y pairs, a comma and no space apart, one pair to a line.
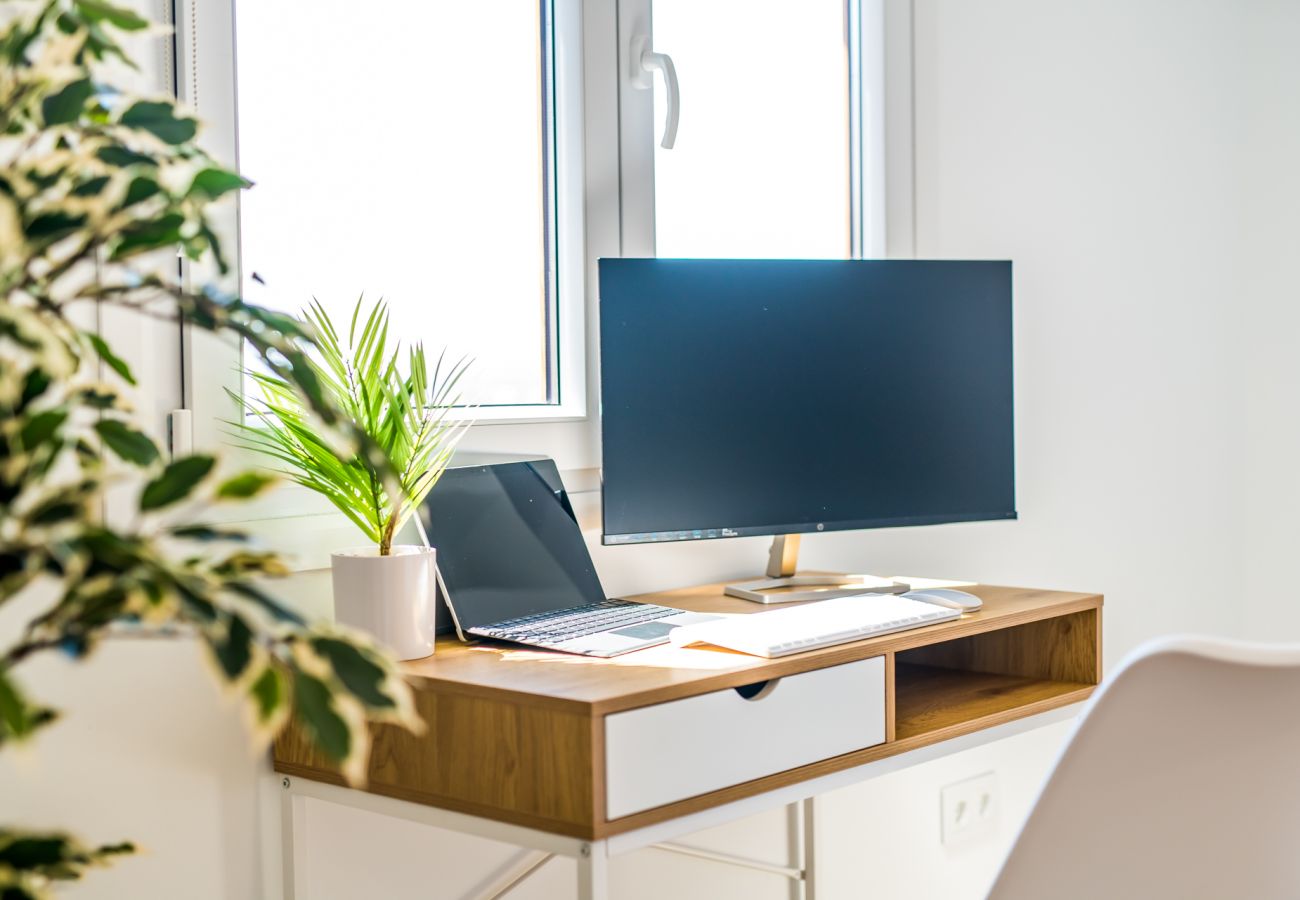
515,566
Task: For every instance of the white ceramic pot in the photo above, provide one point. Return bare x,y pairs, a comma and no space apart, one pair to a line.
392,597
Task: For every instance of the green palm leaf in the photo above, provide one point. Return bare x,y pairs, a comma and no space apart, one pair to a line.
406,415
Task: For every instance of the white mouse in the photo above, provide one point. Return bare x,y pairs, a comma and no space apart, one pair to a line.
944,597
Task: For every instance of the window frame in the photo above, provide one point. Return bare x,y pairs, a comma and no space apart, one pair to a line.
865,35
206,80
604,164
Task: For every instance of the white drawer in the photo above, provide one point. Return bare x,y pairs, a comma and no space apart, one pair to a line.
664,753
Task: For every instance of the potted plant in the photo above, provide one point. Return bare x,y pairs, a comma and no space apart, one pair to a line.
385,589
98,189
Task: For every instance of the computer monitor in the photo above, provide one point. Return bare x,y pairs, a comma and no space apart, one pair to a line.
779,397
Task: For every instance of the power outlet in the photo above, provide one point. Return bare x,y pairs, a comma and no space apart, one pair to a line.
969,807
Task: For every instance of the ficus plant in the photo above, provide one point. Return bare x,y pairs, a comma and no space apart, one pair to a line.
96,185
404,410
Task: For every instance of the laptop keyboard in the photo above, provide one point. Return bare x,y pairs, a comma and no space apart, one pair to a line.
576,621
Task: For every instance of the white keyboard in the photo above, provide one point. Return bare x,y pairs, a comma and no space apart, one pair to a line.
812,625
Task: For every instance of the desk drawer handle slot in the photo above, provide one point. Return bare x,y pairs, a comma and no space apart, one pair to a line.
758,690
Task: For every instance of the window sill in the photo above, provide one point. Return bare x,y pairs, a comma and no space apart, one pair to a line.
518,415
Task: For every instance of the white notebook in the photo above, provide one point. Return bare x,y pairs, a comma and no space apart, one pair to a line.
780,632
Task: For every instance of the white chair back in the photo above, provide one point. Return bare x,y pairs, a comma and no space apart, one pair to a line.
1181,781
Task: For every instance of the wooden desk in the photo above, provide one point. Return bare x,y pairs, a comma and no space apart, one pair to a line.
518,736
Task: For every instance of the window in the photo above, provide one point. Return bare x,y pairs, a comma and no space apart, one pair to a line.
761,164
428,154
777,151
470,163
402,150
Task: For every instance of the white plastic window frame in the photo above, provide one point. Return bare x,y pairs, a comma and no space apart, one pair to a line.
865,30
586,171
605,166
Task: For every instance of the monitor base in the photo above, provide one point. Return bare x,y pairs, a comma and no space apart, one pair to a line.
783,559
828,587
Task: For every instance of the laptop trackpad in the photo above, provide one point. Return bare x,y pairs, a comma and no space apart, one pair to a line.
645,631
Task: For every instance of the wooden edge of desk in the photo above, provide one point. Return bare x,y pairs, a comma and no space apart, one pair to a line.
759,669
891,711
602,829
966,626
530,757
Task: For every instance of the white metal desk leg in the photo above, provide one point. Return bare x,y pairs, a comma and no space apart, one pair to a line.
293,842
810,860
593,872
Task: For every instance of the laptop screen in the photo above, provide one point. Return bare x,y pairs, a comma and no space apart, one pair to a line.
508,543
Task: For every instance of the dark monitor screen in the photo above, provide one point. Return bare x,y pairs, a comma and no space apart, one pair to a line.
507,542
744,397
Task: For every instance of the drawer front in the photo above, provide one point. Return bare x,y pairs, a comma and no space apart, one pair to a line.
665,753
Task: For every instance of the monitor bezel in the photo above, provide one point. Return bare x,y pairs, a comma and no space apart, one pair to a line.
711,534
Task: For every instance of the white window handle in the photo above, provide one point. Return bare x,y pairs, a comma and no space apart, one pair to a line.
645,62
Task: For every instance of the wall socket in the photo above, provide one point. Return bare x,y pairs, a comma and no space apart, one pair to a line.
969,808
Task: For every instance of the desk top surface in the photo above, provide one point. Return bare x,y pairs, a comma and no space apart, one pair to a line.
600,686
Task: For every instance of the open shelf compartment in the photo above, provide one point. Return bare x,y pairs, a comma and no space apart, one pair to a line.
954,686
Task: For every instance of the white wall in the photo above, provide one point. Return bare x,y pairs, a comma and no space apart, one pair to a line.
1266,301
1095,145
1136,158
148,752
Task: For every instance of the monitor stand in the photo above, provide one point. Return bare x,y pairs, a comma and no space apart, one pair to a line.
781,565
